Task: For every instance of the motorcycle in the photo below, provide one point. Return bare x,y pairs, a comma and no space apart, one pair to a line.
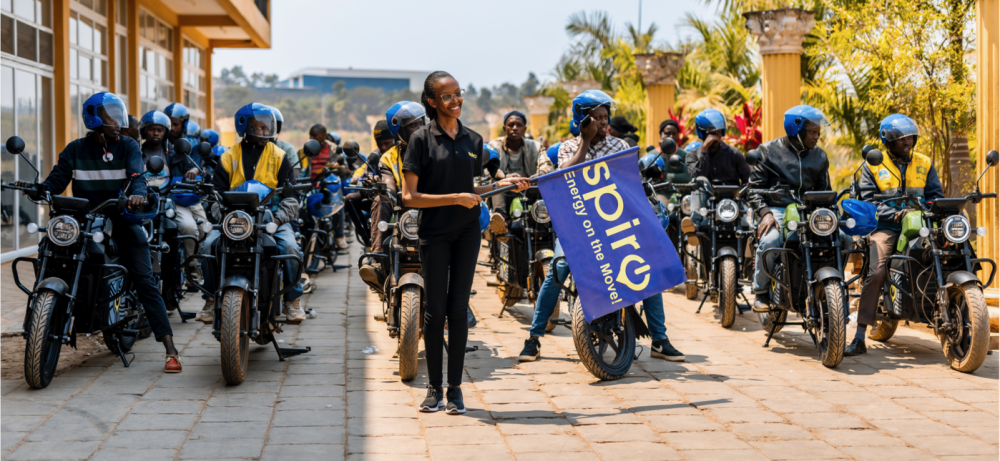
79,285
932,277
524,254
248,267
807,277
319,249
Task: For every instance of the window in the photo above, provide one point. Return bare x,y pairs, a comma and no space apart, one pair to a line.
88,56
26,31
156,64
194,81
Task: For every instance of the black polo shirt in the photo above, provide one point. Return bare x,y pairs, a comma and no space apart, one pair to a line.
444,166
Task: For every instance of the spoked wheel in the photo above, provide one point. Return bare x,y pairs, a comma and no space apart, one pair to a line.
691,271
966,344
831,335
234,335
41,353
728,286
606,346
409,332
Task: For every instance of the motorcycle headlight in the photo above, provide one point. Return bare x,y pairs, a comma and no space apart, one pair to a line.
727,210
64,230
686,205
540,212
238,225
957,228
408,224
823,222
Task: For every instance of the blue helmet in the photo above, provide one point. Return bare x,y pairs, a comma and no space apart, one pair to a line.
651,165
897,126
316,207
584,103
104,109
708,121
692,146
193,128
334,136
334,186
217,151
553,153
796,118
179,111
864,215
254,186
184,198
258,118
484,217
404,113
210,136
146,213
494,156
153,117
278,117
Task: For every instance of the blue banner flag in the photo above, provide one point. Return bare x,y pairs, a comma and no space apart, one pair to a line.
616,248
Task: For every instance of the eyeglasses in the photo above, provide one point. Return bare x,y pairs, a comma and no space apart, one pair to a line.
447,98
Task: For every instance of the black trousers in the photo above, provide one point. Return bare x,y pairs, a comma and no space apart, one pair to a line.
133,250
448,265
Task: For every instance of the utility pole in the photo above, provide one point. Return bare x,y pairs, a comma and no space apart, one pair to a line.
640,16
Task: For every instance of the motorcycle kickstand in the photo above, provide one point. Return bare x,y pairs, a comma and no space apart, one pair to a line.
774,326
284,352
739,310
702,302
120,353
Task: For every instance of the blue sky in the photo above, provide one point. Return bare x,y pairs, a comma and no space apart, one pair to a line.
485,43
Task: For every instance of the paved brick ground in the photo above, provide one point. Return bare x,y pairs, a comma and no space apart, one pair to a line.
732,400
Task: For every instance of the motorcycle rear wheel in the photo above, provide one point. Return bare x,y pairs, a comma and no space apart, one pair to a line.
591,345
409,332
728,286
966,350
833,331
41,353
235,342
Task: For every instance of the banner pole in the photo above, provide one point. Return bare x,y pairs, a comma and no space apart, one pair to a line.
501,190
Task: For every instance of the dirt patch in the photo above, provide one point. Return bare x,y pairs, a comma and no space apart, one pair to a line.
12,355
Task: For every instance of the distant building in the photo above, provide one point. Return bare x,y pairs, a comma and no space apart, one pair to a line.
323,79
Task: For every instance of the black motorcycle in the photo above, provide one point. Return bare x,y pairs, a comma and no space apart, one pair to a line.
248,268
932,276
319,248
79,285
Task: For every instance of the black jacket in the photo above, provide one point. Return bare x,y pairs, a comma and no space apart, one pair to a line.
726,166
809,171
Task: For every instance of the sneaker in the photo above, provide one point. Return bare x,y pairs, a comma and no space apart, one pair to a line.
857,347
293,311
663,350
688,227
762,303
434,400
498,226
532,350
455,404
207,314
371,273
342,243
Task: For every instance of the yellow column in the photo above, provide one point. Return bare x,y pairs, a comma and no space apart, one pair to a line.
538,113
659,72
60,26
209,88
779,34
133,57
493,123
113,85
988,129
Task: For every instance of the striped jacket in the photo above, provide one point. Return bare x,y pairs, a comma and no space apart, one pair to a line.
83,163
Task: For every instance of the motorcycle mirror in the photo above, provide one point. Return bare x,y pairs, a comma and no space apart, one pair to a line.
650,148
205,150
15,145
874,157
182,146
675,161
312,148
154,164
864,150
753,157
351,148
668,147
991,157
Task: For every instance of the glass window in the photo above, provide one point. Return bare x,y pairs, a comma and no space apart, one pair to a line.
26,111
8,236
121,11
74,22
45,48
100,45
7,5
84,66
122,59
7,34
27,47
25,9
74,111
86,34
73,69
43,12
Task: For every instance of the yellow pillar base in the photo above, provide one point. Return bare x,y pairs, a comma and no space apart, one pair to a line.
538,123
659,102
988,128
780,82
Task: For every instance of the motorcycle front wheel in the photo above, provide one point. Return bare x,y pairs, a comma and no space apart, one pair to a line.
832,334
606,352
409,332
234,335
966,346
41,353
728,286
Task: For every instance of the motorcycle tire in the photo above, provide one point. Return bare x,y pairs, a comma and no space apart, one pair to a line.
41,354
691,271
728,287
409,332
882,330
834,338
591,348
235,345
970,351
768,318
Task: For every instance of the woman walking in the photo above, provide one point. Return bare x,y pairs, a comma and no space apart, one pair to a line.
439,166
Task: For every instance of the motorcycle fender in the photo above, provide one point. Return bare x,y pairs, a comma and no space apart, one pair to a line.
641,330
727,251
542,255
236,281
58,285
828,273
961,277
411,278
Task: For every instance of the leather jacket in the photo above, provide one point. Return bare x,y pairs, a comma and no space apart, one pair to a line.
805,172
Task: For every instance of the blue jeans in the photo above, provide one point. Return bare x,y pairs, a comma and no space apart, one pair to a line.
284,239
773,239
548,297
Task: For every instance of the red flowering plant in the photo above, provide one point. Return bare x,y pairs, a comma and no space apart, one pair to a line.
681,118
748,125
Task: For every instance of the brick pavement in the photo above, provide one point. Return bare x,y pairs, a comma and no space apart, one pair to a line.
732,400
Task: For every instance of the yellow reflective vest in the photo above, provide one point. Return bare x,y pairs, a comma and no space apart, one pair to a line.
886,175
267,167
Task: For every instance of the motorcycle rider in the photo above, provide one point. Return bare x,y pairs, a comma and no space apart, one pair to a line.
289,150
365,173
593,107
669,128
715,160
99,165
257,158
179,118
908,172
193,133
796,161
132,130
518,157
620,128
